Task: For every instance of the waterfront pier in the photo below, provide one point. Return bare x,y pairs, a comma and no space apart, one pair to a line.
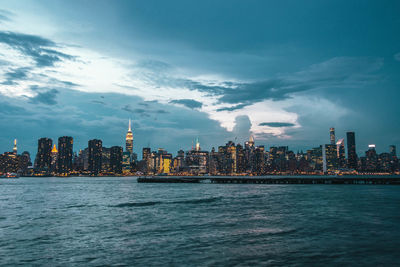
312,179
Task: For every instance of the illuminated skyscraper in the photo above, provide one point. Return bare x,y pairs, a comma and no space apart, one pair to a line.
65,144
54,157
351,151
329,157
15,147
95,153
43,156
129,139
341,154
116,159
332,136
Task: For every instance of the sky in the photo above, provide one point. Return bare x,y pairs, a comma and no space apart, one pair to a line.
283,71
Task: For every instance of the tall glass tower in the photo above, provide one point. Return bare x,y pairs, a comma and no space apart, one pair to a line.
332,136
351,151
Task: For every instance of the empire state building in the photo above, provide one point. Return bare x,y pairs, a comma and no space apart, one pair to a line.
129,139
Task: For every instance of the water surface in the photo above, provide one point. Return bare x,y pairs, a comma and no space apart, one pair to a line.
117,221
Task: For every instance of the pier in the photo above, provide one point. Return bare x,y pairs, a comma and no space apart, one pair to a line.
311,179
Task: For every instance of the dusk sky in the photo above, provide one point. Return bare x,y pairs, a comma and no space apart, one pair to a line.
284,71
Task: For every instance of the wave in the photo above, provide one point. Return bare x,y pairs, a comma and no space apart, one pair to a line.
137,204
79,206
197,201
152,203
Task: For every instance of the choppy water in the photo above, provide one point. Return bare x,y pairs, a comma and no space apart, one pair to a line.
116,221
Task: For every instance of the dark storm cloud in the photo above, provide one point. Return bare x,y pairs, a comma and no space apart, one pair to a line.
47,97
40,49
277,124
239,106
342,72
142,111
190,103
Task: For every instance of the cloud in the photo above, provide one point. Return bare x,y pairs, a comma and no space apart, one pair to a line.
397,56
239,106
48,97
277,124
143,111
242,127
40,49
340,72
5,15
15,75
190,103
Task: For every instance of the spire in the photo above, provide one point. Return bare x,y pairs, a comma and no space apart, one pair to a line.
129,129
15,146
197,144
54,150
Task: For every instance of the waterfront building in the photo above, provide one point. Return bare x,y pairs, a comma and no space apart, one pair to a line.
126,162
116,159
341,154
213,162
249,154
315,158
371,159
240,159
351,151
27,155
197,160
105,159
259,160
329,157
164,162
43,156
179,161
8,162
54,158
95,156
65,146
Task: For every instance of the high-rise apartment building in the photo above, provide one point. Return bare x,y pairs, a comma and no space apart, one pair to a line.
65,145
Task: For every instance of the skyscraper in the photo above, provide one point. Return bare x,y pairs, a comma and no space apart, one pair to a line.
95,154
129,139
351,151
329,157
54,158
341,154
43,156
332,136
15,147
116,159
65,145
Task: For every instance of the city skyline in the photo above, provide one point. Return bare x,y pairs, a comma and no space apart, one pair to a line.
182,70
129,146
233,158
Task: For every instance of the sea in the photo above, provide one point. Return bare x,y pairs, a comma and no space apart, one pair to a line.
115,221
